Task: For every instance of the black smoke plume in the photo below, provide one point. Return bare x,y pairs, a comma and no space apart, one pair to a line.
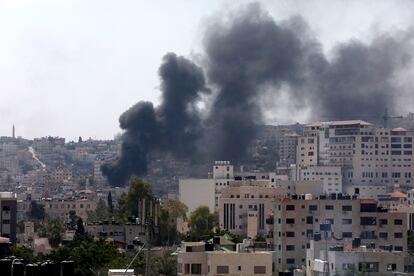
173,126
249,57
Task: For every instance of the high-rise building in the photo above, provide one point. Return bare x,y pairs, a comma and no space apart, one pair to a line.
366,154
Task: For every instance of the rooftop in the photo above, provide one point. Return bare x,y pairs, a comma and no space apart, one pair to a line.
339,123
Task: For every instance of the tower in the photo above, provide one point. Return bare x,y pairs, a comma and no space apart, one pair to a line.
14,132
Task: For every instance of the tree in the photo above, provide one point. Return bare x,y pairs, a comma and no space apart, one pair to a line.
54,231
166,264
128,202
110,203
80,229
176,209
22,252
72,220
37,211
171,210
80,139
201,222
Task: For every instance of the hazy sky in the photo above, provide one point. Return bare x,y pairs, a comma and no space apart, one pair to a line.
70,68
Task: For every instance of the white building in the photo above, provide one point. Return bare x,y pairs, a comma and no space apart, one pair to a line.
330,176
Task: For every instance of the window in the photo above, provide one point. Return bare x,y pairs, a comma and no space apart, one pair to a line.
398,222
347,208
383,235
398,235
290,261
383,221
222,269
196,268
391,267
368,221
290,234
187,269
398,248
259,269
346,234
329,207
313,207
346,221
290,207
290,247
290,221
368,267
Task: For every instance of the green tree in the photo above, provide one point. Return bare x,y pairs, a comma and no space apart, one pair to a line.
22,252
171,210
101,212
72,220
166,264
80,229
128,202
54,231
201,222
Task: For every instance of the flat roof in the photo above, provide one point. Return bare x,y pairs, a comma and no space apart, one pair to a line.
339,123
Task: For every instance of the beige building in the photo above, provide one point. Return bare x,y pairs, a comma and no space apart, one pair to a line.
244,204
330,176
367,155
199,258
61,208
287,148
298,218
123,234
332,257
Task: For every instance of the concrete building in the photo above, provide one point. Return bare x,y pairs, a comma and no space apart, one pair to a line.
122,234
366,191
8,215
244,204
298,218
200,258
366,154
287,149
330,176
61,208
332,257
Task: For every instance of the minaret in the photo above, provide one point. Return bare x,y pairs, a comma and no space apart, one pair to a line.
14,132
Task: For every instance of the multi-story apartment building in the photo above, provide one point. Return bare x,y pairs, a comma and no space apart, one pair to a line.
336,257
8,214
367,155
200,258
61,208
243,206
123,234
298,218
330,176
287,149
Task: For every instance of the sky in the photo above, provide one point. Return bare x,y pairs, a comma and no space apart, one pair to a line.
70,68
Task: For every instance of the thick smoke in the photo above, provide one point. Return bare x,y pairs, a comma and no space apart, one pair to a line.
173,126
251,52
248,57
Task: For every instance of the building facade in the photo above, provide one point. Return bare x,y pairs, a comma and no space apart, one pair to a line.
298,218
